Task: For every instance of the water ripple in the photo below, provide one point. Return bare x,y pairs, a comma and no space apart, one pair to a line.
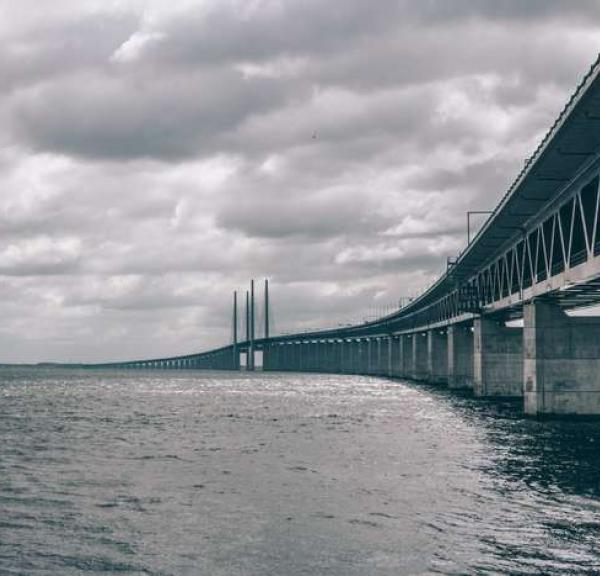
178,473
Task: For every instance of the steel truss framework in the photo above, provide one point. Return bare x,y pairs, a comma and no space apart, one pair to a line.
554,248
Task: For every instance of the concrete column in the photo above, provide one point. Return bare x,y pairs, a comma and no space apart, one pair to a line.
295,356
353,358
419,352
360,363
336,349
562,362
306,358
301,356
320,355
356,356
374,355
498,362
460,356
324,356
391,356
399,363
331,363
407,355
437,356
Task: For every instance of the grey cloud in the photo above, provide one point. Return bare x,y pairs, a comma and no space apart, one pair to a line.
56,49
103,115
238,31
506,10
331,147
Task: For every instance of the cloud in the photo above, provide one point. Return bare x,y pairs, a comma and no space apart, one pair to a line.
154,156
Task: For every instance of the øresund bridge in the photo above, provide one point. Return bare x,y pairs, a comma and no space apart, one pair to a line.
536,258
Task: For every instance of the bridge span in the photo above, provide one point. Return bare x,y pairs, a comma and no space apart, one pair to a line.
536,259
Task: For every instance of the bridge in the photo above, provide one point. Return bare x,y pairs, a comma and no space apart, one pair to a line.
498,321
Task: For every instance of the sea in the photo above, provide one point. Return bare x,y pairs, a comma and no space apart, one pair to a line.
284,474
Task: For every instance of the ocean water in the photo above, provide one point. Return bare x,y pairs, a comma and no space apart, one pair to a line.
190,473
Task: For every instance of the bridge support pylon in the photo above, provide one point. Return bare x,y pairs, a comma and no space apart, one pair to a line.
562,362
406,355
419,356
437,356
498,362
460,356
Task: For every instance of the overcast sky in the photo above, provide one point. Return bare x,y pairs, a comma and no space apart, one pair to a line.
156,155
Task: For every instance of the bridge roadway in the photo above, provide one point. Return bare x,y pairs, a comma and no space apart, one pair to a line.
536,257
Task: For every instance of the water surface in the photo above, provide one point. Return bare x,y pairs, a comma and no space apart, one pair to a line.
189,473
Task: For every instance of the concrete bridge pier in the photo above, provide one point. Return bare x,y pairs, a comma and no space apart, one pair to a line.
328,362
280,359
340,354
392,355
361,357
320,353
419,353
369,356
313,353
301,355
382,363
562,362
334,348
323,357
407,355
498,361
460,356
356,355
401,356
437,356
290,356
344,356
306,356
315,356
376,356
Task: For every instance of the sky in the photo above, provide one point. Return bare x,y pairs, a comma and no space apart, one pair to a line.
155,156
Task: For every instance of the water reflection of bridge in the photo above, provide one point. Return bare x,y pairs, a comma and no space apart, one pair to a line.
536,257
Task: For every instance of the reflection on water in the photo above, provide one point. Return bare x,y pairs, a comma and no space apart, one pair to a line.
286,474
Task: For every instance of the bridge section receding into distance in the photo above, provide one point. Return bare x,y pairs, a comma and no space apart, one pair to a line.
536,257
